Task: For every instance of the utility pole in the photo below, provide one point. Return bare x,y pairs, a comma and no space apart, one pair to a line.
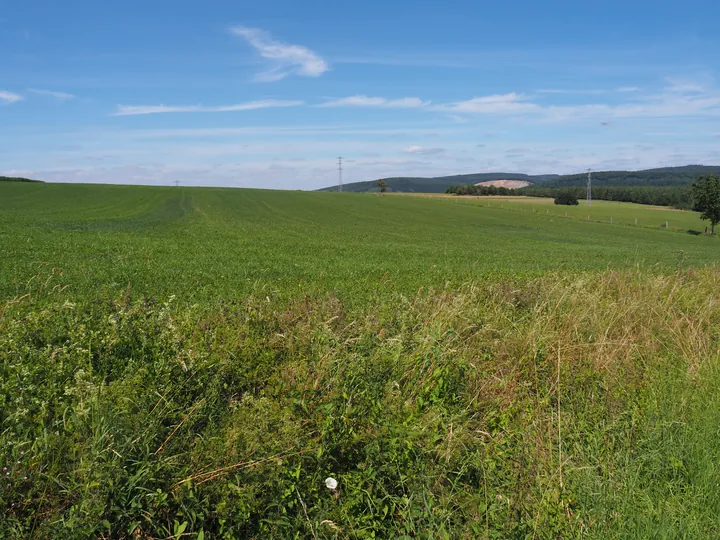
340,170
589,188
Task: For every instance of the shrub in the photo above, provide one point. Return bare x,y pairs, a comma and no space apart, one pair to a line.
567,198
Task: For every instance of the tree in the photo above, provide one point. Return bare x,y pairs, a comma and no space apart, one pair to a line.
382,184
706,196
567,198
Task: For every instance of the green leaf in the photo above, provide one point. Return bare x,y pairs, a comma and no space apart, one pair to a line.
180,528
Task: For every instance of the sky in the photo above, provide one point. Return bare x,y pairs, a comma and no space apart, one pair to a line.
269,94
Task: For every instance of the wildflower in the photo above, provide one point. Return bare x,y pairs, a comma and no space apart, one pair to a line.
331,483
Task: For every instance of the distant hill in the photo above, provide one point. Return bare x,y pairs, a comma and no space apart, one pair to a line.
16,179
410,184
668,176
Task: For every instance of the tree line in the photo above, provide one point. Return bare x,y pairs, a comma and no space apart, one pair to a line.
675,196
16,179
471,189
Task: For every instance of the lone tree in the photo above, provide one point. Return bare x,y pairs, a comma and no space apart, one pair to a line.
382,184
567,198
706,197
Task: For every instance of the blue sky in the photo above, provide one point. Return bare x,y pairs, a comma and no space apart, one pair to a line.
253,94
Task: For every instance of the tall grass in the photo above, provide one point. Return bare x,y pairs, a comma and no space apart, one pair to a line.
569,405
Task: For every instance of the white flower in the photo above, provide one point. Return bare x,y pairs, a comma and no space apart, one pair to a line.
331,483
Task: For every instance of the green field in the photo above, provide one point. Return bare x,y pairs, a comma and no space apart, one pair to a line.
194,363
617,213
222,243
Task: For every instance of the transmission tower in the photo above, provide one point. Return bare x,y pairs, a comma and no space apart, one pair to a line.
589,188
340,170
177,183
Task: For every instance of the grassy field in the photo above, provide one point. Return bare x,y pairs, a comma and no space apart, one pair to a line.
194,363
618,213
215,243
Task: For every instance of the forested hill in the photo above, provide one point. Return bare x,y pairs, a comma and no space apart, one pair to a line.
15,179
438,184
668,176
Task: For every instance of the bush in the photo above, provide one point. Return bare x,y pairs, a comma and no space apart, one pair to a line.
566,198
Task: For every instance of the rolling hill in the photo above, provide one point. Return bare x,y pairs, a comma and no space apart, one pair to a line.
667,176
438,184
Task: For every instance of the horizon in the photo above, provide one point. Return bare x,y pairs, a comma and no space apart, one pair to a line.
267,96
330,187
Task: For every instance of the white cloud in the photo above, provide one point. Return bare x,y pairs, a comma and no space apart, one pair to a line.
587,91
680,99
62,96
367,101
568,91
9,97
497,104
130,110
424,151
286,59
673,102
685,86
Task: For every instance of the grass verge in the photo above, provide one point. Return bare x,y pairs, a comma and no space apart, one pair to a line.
565,406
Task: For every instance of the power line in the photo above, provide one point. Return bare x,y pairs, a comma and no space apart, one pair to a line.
340,170
589,188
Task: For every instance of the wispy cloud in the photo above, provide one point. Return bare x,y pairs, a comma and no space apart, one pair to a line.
588,91
679,99
62,96
367,101
131,110
685,86
286,59
571,91
424,151
497,104
9,97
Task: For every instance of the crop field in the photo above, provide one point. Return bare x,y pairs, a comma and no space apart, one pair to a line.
603,211
215,243
196,362
618,213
